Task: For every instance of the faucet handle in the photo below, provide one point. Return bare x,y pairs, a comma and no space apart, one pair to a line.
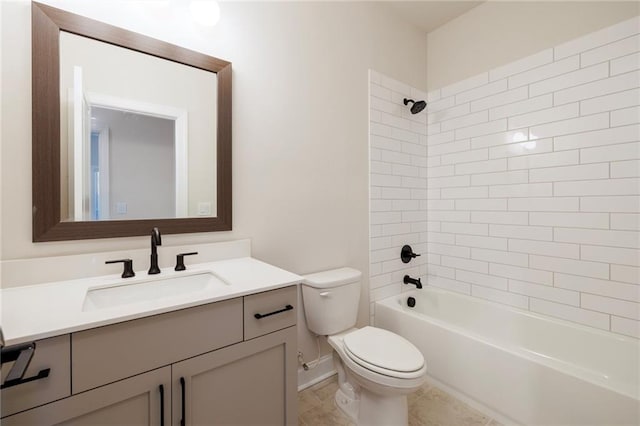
406,254
128,267
180,260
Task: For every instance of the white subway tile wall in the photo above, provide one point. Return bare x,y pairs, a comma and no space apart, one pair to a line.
533,196
519,185
398,180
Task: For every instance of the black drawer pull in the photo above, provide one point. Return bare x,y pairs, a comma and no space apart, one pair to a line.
286,308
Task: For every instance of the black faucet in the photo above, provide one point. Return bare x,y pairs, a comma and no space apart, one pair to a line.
156,240
409,280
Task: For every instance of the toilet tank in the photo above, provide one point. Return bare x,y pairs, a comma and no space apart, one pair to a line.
331,299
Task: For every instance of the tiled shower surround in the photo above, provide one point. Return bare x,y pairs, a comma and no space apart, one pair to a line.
398,204
533,184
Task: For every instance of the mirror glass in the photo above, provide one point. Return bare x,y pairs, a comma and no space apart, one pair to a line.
137,134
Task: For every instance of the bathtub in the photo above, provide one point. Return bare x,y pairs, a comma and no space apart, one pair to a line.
516,366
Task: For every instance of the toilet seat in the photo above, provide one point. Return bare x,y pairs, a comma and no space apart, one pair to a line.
384,352
384,380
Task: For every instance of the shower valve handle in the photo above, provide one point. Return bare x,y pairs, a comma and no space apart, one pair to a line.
406,254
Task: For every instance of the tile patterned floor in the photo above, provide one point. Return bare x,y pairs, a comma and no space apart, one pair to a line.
429,406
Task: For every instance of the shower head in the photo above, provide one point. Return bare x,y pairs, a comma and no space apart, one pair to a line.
417,106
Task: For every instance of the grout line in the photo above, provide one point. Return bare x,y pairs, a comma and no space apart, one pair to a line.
394,139
608,43
551,136
579,84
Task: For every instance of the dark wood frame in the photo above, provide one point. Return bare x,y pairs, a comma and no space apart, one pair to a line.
47,22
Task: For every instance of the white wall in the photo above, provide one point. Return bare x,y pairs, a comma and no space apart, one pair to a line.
498,32
398,189
142,163
534,182
300,125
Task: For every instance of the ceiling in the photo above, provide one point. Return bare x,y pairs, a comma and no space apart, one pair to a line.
429,15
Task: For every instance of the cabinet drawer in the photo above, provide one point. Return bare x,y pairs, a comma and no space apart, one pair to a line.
268,305
106,354
50,353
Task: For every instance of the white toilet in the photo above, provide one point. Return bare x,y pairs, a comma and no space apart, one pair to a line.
377,369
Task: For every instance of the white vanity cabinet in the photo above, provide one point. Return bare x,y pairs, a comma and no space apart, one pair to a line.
216,364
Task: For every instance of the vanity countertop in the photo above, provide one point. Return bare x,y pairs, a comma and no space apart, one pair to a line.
45,310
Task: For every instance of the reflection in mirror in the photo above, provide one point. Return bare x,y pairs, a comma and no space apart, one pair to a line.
137,134
131,167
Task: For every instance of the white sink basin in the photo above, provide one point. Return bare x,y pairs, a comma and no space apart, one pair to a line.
149,290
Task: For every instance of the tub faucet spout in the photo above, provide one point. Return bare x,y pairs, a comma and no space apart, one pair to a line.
414,281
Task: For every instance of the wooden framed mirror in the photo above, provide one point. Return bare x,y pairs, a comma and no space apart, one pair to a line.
69,201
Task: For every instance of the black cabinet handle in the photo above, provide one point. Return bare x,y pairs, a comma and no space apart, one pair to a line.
161,388
285,309
183,419
41,375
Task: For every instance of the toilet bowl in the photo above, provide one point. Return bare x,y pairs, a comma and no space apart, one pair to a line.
377,369
373,389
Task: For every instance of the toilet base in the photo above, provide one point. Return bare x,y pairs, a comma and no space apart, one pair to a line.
372,409
378,410
367,408
349,406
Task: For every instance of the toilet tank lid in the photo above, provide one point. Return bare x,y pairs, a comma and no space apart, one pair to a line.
332,278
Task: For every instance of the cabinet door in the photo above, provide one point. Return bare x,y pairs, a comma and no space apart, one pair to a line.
250,383
134,401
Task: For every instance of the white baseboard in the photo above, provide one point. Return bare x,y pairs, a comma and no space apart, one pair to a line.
323,370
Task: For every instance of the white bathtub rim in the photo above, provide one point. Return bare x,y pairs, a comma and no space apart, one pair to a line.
547,318
581,373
